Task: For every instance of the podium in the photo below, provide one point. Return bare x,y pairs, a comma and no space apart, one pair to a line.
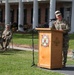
50,48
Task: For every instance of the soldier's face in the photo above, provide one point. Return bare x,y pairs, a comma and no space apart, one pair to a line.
7,28
59,17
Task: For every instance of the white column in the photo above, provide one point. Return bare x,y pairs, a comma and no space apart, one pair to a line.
7,13
52,11
72,17
35,13
20,16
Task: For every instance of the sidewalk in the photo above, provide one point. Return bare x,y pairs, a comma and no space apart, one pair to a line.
22,48
68,70
36,50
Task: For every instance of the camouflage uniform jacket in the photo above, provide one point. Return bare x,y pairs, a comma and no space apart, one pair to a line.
61,25
7,34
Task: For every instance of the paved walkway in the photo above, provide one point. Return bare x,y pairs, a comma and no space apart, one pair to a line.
68,70
21,48
36,50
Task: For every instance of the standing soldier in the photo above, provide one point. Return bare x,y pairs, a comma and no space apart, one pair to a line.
6,37
61,24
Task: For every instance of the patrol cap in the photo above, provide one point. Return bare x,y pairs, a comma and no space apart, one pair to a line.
7,25
56,12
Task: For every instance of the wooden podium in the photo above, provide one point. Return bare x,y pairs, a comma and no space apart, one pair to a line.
50,48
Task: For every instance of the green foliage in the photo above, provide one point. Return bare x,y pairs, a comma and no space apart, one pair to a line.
70,61
71,42
71,36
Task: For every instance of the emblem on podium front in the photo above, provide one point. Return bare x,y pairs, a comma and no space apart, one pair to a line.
45,40
56,41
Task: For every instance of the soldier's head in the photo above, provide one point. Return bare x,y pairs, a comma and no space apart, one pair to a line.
58,15
7,26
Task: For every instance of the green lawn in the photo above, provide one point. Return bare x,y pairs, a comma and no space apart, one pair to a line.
15,62
24,39
71,42
27,39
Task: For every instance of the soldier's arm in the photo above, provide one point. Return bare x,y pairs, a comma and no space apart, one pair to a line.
3,34
53,25
67,27
10,36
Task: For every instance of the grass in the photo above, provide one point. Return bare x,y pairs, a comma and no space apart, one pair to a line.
70,61
27,39
24,39
71,42
16,62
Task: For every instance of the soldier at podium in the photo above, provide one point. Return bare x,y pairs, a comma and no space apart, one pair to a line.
61,24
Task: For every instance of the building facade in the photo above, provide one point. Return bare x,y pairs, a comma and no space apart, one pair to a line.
22,11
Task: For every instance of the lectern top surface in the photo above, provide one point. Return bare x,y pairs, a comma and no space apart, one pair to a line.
47,29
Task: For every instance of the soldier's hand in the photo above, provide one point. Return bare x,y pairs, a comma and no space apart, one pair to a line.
64,31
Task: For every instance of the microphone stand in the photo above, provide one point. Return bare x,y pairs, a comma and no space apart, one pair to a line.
33,63
52,19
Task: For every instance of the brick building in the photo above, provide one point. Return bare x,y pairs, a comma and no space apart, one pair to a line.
21,12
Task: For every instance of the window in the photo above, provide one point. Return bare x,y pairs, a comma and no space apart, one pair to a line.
46,14
39,15
17,16
32,15
25,16
62,11
1,15
12,15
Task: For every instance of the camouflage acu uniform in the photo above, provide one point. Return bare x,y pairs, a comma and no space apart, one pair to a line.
6,36
63,25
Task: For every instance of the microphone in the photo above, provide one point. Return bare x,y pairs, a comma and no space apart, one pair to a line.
53,19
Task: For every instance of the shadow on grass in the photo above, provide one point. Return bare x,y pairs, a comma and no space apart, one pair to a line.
25,36
71,36
10,52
